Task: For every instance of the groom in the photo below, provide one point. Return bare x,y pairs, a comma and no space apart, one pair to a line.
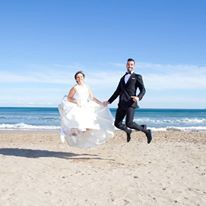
128,101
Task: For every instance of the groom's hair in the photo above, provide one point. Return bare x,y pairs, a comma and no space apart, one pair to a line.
130,60
79,72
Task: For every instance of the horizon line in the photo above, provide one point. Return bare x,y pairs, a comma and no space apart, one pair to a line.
56,107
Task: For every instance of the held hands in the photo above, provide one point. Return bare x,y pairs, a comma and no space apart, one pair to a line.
135,99
101,104
105,103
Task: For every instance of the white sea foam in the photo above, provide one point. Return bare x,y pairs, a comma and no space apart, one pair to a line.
181,120
22,126
198,128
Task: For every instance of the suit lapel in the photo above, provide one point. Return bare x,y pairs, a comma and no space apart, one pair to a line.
123,82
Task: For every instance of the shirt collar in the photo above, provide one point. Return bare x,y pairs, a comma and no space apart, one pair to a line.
130,73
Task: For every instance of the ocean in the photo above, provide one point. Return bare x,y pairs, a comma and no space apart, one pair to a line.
29,118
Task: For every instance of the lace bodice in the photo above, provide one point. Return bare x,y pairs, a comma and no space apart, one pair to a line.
82,94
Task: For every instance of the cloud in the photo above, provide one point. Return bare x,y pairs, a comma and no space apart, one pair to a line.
52,77
59,75
156,76
52,74
168,76
167,85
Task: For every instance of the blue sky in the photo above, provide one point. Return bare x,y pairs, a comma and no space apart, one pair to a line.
43,43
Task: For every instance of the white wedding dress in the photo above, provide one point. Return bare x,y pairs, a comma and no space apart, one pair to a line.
87,125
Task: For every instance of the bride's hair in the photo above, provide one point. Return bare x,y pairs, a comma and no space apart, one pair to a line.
79,72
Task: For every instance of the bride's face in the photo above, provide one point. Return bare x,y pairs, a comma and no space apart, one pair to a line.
80,78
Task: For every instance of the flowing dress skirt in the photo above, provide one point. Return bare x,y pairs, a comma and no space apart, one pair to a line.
84,126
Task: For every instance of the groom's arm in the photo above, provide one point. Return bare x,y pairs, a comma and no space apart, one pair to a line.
116,93
142,89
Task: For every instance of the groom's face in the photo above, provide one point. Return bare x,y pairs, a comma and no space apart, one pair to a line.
130,66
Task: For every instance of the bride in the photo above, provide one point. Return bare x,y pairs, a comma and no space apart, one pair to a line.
85,122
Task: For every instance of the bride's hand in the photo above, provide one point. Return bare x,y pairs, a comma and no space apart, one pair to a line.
105,103
100,103
78,102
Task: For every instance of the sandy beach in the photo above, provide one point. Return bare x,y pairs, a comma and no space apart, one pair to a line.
37,169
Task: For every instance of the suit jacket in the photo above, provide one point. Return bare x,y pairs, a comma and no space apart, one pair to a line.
125,91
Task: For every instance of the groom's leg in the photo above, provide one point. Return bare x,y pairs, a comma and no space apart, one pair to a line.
120,114
130,120
133,125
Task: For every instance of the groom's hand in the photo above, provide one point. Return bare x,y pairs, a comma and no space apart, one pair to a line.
135,99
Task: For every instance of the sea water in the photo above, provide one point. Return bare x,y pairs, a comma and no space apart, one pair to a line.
157,119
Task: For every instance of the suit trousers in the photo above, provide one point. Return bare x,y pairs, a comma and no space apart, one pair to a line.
129,122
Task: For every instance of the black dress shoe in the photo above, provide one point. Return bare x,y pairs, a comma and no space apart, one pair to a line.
149,135
129,135
144,126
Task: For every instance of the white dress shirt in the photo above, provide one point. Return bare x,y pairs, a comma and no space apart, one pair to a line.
127,76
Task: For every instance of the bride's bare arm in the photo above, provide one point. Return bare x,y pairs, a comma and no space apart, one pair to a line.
93,98
96,100
71,94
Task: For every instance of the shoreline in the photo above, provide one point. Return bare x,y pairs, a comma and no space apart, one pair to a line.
116,129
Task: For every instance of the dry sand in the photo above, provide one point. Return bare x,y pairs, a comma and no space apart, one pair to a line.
37,169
